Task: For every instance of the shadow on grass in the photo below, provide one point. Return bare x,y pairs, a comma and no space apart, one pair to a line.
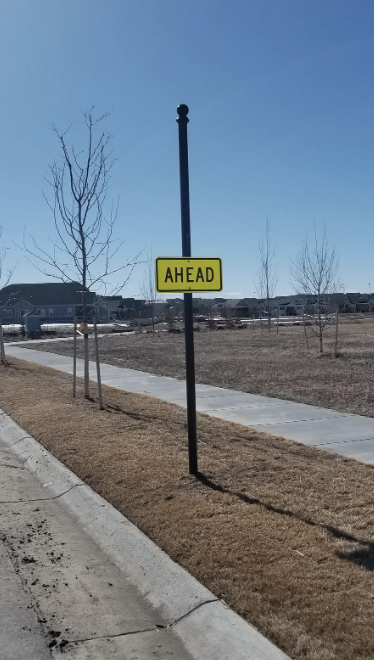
363,556
167,420
117,410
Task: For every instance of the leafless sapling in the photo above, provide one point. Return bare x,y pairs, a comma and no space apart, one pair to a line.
314,273
148,290
5,275
266,281
84,246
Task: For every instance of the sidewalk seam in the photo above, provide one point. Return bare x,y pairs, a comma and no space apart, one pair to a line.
42,499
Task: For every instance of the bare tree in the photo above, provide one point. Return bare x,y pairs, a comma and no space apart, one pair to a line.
266,281
314,273
148,290
84,246
5,274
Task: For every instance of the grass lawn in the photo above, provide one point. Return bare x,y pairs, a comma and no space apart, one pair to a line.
249,361
282,532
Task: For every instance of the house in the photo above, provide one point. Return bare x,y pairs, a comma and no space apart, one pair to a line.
232,309
341,302
174,307
57,302
133,308
217,307
309,304
328,304
116,308
251,308
110,308
360,301
285,306
300,304
241,308
202,306
153,309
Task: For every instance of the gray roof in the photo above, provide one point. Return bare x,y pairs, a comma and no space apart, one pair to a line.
48,293
233,302
338,297
132,303
358,297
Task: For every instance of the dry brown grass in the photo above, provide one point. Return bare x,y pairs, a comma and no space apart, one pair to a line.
249,361
282,532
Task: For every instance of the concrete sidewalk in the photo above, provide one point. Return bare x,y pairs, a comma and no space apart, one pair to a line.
346,434
54,340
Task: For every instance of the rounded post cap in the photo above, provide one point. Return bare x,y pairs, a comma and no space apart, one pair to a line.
183,111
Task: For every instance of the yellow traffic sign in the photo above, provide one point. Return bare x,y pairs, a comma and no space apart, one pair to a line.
188,274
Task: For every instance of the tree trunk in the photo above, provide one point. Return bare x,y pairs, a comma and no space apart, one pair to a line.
336,332
305,335
85,342
320,335
320,325
75,359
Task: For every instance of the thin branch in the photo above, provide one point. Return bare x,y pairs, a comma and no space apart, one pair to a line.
267,279
5,273
84,247
314,273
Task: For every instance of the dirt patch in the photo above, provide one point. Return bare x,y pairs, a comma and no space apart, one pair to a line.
251,361
282,532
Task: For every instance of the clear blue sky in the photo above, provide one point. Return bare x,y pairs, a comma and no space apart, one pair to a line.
281,101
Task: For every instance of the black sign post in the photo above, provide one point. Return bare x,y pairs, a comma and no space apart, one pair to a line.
183,120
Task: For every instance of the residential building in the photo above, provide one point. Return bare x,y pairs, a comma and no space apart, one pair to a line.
110,308
55,302
240,308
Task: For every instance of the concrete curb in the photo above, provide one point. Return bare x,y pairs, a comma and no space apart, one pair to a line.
207,627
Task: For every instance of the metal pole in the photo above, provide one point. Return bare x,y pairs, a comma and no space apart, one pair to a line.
182,121
2,348
75,359
85,343
98,367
